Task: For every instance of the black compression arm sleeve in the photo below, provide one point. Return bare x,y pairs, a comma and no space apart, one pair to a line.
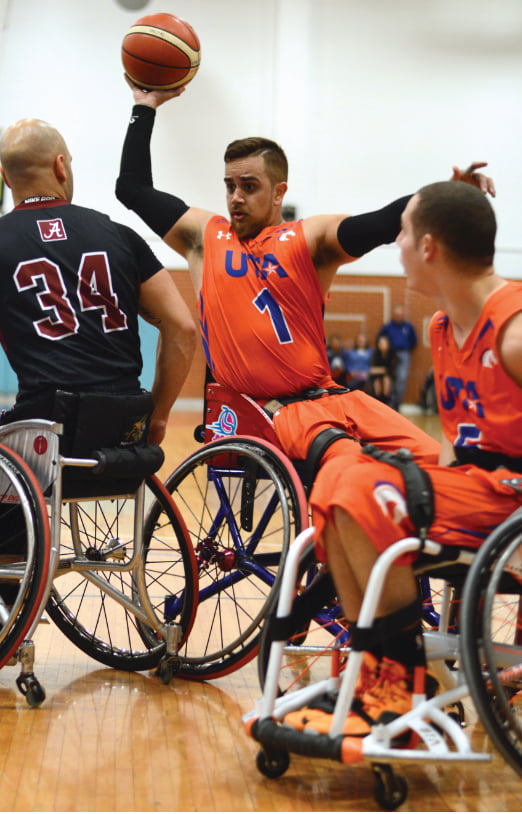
362,233
134,186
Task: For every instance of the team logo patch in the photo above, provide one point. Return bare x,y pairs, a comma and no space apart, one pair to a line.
136,432
226,423
52,229
390,501
40,444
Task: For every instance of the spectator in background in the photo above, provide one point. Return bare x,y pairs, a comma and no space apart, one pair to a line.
336,357
382,369
358,361
403,340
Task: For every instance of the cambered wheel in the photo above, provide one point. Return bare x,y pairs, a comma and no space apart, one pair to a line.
491,624
99,624
24,551
243,504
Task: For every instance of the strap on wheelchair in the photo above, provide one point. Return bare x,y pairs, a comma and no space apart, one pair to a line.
486,459
386,627
419,489
310,394
318,447
305,606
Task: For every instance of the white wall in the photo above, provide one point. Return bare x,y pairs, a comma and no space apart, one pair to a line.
370,98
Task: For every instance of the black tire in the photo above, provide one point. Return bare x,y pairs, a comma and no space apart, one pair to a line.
390,790
96,622
491,625
317,627
272,764
24,551
243,504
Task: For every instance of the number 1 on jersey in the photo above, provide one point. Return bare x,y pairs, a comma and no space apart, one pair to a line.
266,302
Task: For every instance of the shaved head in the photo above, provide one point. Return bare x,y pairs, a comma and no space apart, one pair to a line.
29,150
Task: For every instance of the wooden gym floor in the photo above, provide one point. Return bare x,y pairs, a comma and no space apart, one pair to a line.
110,741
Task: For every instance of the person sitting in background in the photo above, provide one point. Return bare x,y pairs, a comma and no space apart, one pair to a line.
358,361
336,358
382,369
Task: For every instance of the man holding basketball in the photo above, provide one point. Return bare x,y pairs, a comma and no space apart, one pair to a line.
72,285
262,284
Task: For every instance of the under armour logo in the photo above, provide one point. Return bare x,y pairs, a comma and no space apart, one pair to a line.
52,229
226,235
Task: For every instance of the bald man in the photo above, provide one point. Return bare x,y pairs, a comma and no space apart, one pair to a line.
72,283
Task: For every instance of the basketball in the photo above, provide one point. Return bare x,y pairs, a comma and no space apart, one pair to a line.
160,52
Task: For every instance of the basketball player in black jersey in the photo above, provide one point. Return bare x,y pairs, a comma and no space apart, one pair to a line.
72,284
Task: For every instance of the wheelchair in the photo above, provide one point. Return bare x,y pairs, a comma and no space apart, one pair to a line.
305,650
91,537
243,502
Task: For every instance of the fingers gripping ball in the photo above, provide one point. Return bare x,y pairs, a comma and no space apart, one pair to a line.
160,52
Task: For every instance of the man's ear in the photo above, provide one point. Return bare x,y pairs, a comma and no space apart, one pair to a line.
279,192
59,168
429,246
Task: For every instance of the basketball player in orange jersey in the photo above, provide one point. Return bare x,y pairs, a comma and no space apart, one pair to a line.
447,249
262,285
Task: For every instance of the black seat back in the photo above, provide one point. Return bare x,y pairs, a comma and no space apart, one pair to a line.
95,421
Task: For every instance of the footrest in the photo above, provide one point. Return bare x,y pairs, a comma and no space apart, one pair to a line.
281,737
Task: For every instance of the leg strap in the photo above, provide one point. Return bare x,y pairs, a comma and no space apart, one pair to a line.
318,447
387,627
419,489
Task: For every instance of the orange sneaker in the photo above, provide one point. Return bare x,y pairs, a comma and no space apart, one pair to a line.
324,705
391,695
388,697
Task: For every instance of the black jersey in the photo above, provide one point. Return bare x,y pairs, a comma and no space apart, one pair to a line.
69,287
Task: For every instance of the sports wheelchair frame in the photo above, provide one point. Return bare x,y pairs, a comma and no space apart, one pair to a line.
478,652
243,503
105,552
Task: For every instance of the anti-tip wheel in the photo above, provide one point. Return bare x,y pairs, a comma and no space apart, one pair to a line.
272,764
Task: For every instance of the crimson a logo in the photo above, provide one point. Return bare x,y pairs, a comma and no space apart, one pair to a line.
52,229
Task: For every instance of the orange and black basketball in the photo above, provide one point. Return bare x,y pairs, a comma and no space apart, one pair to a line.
160,52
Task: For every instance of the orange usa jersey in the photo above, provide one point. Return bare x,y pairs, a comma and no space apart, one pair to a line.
479,404
261,311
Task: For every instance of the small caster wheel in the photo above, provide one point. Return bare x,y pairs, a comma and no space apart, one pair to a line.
35,695
390,789
272,764
31,689
165,671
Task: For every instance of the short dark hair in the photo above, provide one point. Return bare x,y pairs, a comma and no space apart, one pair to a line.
276,163
460,216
